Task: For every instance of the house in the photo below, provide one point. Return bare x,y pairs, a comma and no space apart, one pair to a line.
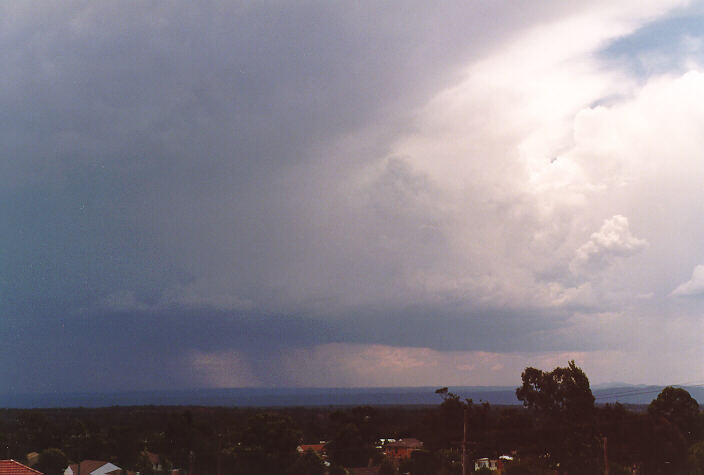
317,448
154,460
93,467
12,467
495,465
402,448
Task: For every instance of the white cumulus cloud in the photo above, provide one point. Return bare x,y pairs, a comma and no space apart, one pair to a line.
613,240
694,286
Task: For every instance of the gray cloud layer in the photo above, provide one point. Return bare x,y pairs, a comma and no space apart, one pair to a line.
181,177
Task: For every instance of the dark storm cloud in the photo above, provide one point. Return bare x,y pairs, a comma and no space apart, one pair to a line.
119,350
120,124
162,146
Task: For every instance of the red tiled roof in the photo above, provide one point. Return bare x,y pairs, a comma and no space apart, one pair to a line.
317,448
12,467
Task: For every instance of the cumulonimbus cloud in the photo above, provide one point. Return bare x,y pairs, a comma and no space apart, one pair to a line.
306,171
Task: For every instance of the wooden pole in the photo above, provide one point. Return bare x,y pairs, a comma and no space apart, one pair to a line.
219,454
606,457
464,444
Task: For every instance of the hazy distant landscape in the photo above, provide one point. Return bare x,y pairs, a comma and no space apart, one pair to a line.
291,397
560,426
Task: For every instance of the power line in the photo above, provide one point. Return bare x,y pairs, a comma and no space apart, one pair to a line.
631,393
640,391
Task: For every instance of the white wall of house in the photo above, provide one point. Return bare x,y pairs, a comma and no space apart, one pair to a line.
107,468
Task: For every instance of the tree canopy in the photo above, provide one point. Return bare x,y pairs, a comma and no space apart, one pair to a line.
562,392
564,402
679,408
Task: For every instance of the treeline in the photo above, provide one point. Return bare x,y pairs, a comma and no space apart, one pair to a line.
212,440
559,429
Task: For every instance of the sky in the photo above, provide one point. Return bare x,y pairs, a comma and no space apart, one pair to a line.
344,194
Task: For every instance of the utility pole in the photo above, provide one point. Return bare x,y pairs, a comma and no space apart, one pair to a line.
606,457
219,454
464,444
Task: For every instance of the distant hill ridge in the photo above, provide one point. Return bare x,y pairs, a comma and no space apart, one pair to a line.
278,397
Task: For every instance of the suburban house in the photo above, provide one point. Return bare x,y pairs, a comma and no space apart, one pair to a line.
154,460
495,465
13,467
93,467
491,464
317,448
402,448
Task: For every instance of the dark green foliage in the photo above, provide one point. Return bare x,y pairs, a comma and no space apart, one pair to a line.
513,428
52,461
695,457
336,469
144,465
451,461
421,462
561,394
272,432
664,448
387,467
652,444
679,408
529,466
444,428
564,403
308,463
353,435
349,448
559,424
615,469
268,445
